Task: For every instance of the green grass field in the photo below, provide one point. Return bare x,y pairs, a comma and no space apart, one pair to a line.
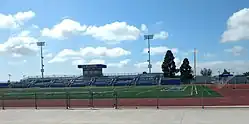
183,91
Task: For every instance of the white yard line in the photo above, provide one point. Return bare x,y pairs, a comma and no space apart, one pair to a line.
207,91
185,88
144,92
196,92
192,90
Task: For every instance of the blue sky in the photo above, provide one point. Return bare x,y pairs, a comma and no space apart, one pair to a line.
110,32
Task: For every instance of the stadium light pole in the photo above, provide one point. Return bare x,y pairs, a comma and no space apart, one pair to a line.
195,51
41,44
9,75
149,37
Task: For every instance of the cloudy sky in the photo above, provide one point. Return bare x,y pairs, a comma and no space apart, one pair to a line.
111,32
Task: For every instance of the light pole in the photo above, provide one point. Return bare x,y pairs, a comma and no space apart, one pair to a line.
41,44
149,37
9,75
195,63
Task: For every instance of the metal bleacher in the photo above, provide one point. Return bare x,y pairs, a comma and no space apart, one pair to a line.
80,81
126,80
4,85
103,81
147,80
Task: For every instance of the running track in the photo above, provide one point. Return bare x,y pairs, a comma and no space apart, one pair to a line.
238,96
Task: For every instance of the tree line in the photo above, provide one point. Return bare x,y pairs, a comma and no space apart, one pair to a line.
186,73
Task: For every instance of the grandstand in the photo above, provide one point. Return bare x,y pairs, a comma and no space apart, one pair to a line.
93,77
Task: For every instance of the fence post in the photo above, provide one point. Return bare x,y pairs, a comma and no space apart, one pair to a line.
67,101
3,106
202,100
116,99
157,102
92,104
35,100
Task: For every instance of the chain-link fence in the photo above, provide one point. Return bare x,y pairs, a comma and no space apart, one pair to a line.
200,95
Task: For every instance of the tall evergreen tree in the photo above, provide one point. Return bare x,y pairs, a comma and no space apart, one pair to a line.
168,65
246,74
206,72
225,72
186,72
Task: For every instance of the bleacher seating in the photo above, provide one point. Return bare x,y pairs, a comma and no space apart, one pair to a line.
147,80
81,82
170,81
238,80
4,85
124,80
102,81
19,85
59,83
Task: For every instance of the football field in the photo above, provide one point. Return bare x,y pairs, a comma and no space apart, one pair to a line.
181,91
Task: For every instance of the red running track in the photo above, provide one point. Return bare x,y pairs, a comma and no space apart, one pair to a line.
225,101
238,96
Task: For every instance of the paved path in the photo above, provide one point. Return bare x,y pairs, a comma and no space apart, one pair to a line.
127,116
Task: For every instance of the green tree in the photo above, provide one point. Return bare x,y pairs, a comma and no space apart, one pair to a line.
206,72
225,72
168,65
246,74
186,72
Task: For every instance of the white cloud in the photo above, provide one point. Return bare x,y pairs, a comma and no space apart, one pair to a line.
156,65
24,16
96,61
114,32
159,50
20,45
209,55
16,20
236,50
48,55
24,33
82,61
78,62
144,28
163,35
17,62
64,29
237,66
159,22
89,52
121,64
111,33
35,26
237,27
143,66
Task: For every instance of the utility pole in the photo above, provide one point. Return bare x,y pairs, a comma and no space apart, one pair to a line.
149,37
